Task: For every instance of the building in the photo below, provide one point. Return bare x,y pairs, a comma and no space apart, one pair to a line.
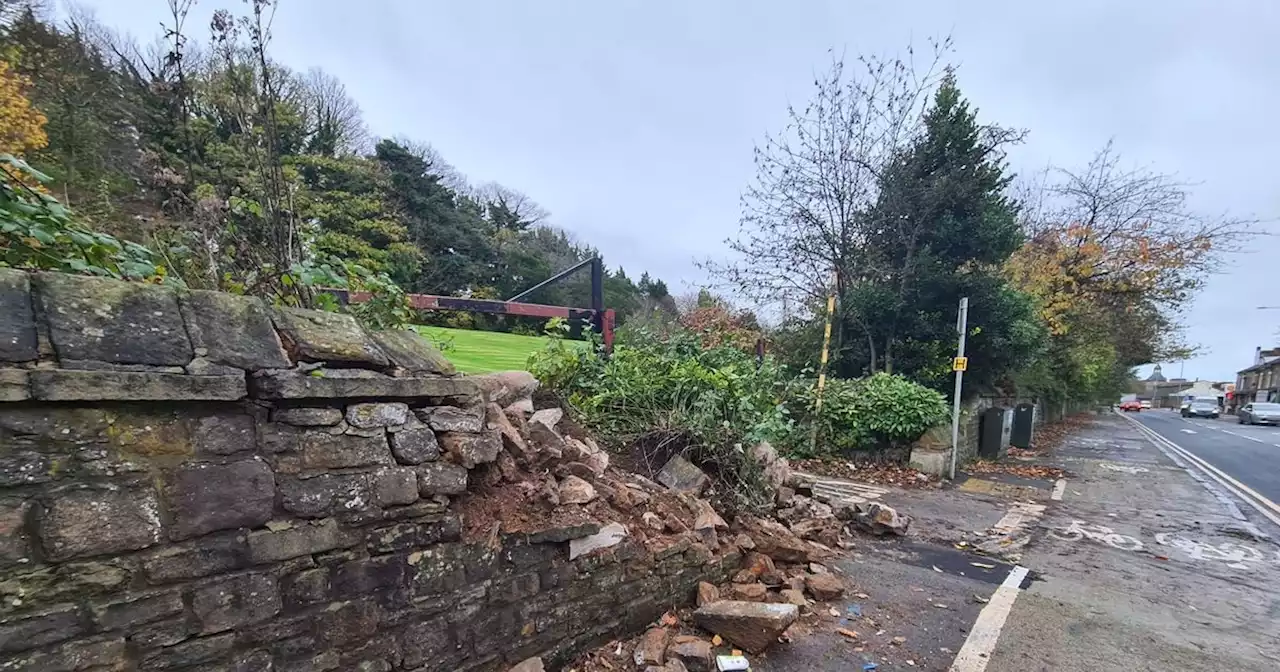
1160,391
1259,382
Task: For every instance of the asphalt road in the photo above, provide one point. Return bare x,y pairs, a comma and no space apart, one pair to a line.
1250,454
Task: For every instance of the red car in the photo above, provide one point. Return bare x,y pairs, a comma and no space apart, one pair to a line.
1134,405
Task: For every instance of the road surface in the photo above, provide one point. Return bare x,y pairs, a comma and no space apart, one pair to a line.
1249,454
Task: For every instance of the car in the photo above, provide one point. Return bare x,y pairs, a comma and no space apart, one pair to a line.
1259,413
1146,403
1201,408
1133,405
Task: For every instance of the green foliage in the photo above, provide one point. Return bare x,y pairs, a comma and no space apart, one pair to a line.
38,232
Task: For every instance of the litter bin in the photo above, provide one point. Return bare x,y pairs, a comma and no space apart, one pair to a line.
991,433
1024,417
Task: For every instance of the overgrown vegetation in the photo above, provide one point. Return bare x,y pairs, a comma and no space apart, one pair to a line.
663,394
230,171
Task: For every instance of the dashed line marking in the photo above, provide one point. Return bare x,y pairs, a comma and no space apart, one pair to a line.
1189,431
984,634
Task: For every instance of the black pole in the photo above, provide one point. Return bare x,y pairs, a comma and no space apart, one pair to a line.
597,294
560,276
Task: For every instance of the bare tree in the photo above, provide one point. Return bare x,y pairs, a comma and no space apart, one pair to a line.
333,118
518,204
802,218
449,175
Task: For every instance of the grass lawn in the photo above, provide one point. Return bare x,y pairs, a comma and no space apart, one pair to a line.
487,351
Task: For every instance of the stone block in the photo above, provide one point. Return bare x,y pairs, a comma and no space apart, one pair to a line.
88,654
137,611
15,547
415,446
349,622
15,385
320,450
427,644
69,385
66,582
362,577
235,601
507,387
469,449
318,336
303,538
753,626
415,535
409,351
95,522
441,478
207,497
55,625
203,557
326,494
375,415
681,474
306,587
393,487
112,321
188,653
224,434
232,330
453,419
354,384
18,328
307,417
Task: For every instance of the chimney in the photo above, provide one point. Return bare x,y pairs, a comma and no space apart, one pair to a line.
1257,355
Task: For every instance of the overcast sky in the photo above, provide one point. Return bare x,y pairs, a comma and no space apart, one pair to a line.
633,122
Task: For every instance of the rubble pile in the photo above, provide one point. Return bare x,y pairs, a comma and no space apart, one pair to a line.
552,469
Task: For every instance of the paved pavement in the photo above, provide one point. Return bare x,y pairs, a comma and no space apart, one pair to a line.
1135,562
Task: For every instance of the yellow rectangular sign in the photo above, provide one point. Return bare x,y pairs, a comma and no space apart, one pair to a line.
960,364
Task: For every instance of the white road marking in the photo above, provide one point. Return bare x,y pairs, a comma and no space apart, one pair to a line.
981,642
1189,431
1059,488
1265,506
1018,516
1079,529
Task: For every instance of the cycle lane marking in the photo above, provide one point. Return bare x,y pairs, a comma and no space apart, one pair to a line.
981,642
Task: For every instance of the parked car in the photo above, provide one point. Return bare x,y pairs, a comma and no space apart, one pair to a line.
1201,408
1133,405
1259,413
1146,403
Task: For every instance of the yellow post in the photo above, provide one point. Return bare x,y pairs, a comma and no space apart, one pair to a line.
822,370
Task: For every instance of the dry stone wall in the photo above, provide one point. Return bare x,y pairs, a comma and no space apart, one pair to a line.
194,480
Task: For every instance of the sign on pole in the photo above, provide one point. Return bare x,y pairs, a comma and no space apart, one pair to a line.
959,365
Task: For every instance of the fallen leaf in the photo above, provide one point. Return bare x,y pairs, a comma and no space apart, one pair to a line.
735,652
669,619
716,641
847,633
1162,557
862,596
899,640
912,663
834,612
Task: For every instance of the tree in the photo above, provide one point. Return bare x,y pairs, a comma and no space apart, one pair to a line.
802,225
939,229
21,125
333,121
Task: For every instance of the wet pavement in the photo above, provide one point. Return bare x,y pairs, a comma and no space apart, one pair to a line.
1137,567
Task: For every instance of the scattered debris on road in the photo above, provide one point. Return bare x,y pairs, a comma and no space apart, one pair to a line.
873,473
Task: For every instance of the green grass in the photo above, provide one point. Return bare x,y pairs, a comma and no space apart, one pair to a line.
487,351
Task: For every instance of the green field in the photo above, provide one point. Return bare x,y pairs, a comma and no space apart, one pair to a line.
487,351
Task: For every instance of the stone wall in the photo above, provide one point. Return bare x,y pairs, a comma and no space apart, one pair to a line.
193,480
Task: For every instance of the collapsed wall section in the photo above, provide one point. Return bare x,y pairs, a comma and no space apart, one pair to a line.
195,480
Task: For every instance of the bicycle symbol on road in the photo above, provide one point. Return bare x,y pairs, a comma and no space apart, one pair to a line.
1234,555
1079,529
